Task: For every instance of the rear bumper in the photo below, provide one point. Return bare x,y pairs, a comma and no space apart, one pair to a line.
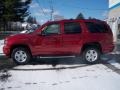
108,48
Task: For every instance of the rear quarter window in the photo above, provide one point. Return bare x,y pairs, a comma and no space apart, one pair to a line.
97,27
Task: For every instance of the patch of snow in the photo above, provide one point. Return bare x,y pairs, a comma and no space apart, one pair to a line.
114,63
115,52
1,42
30,67
1,46
93,77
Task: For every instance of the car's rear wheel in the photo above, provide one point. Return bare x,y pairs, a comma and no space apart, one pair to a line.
91,55
21,55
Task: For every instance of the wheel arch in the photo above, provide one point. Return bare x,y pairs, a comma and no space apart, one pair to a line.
91,44
20,45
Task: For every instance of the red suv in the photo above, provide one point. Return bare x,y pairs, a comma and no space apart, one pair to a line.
89,38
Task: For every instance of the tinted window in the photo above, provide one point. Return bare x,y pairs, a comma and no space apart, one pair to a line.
97,27
52,29
72,28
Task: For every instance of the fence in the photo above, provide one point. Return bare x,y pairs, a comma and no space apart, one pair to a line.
9,28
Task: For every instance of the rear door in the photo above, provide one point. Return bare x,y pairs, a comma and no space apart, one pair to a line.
72,37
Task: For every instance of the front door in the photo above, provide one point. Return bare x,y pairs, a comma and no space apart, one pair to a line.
49,42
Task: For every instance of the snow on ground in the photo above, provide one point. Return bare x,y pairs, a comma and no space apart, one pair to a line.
1,46
47,77
45,67
93,77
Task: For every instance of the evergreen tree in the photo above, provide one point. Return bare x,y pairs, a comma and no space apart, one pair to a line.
21,9
13,10
90,18
80,16
1,9
31,20
35,21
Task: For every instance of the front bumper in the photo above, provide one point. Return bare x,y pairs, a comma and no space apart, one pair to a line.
6,51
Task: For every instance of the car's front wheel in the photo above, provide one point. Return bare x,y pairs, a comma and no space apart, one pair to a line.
91,55
21,55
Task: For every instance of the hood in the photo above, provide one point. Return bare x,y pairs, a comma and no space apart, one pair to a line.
18,36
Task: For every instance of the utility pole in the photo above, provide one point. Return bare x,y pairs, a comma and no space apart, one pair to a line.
52,10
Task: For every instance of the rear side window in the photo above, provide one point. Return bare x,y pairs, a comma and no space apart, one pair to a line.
97,27
72,28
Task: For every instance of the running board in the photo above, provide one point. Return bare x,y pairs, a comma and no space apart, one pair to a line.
56,57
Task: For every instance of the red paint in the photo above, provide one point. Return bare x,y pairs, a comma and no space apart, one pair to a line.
62,44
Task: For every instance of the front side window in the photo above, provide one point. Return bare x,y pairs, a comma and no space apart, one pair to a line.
51,29
72,28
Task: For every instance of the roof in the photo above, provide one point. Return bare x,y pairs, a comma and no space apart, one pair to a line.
81,20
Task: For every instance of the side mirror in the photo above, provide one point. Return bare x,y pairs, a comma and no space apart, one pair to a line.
41,34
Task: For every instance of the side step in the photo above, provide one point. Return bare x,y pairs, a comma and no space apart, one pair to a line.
55,57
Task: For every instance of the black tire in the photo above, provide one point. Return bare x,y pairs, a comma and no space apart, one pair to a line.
91,58
23,54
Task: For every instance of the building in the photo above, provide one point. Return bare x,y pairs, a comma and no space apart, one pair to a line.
114,19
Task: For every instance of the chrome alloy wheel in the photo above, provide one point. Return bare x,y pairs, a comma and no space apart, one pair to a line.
91,55
20,56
